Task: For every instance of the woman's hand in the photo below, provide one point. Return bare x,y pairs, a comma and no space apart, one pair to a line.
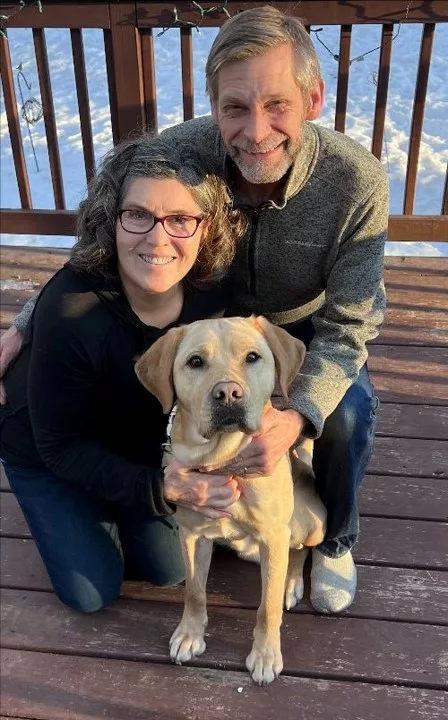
10,345
205,492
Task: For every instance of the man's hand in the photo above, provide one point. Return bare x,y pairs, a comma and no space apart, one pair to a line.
209,494
279,431
10,345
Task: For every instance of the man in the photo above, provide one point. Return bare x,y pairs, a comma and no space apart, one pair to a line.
311,261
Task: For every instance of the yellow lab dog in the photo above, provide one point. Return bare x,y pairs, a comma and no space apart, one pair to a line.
222,374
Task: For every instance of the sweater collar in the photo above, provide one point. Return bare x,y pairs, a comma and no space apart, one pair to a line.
298,174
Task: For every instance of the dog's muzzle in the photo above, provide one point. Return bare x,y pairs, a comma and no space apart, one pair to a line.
229,419
227,407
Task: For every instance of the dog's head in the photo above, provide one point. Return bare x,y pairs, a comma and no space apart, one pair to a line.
221,371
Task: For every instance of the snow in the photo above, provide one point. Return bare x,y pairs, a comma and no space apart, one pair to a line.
359,123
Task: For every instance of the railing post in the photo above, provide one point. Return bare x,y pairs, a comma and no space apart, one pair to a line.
186,46
381,91
444,209
418,113
149,77
343,73
123,53
12,116
82,93
51,132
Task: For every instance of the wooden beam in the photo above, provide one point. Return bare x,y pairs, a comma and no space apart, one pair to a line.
38,222
402,228
313,12
414,228
60,15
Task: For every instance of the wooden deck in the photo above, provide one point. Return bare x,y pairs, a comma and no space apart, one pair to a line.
386,657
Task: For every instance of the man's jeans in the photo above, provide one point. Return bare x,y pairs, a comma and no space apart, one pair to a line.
89,545
341,455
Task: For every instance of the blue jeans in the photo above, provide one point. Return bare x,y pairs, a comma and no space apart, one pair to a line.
89,545
341,455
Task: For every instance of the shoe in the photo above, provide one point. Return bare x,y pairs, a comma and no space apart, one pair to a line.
333,582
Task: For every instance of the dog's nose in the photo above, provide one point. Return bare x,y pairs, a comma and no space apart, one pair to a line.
227,393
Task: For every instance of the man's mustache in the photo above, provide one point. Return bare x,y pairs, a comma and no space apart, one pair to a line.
267,145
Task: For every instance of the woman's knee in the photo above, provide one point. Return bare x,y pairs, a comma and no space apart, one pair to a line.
86,596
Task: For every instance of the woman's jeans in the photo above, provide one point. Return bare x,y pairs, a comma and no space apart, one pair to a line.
341,455
89,545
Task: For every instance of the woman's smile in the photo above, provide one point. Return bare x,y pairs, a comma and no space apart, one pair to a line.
157,259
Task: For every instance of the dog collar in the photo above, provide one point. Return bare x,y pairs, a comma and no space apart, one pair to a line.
167,444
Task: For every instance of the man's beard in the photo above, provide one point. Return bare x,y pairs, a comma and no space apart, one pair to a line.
262,171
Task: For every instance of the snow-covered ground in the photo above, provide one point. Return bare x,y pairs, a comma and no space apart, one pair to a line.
360,112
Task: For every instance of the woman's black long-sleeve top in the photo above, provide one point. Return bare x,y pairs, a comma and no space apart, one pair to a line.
75,404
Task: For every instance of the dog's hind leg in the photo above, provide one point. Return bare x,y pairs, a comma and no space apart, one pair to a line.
265,659
294,579
188,638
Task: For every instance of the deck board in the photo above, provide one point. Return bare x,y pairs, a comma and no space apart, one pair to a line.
424,422
385,657
384,540
408,594
418,498
94,688
392,652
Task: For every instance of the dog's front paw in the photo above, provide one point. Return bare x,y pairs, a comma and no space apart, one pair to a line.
265,663
185,643
293,591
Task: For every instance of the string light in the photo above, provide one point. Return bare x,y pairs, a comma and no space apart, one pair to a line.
360,58
179,23
22,4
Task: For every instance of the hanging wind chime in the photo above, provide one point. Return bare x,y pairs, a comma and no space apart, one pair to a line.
32,110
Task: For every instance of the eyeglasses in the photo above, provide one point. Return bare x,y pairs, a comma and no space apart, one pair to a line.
139,222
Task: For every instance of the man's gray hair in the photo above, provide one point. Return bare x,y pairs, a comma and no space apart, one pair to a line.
254,32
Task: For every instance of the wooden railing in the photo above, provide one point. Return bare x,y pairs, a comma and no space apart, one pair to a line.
129,50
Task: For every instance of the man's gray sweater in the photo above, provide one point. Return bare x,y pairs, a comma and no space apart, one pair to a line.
318,251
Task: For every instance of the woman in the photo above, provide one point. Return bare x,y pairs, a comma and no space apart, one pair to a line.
81,438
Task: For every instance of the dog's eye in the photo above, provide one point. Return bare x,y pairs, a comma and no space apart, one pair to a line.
195,361
252,357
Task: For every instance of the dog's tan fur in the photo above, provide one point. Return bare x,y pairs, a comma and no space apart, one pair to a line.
275,516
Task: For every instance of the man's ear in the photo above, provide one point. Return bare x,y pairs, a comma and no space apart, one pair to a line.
288,352
315,101
214,110
155,367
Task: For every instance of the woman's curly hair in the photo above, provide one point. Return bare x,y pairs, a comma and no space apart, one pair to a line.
152,157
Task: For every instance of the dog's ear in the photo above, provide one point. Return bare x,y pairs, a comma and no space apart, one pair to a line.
288,352
155,367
